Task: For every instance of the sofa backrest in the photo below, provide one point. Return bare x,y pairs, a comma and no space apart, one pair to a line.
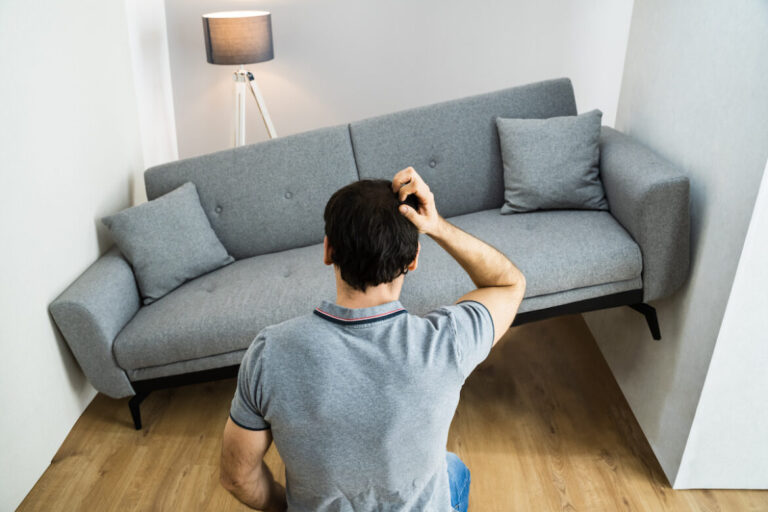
454,145
269,196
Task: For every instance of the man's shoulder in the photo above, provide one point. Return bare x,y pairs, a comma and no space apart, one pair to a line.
274,336
289,328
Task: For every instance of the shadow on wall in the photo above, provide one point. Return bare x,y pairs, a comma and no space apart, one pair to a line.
631,358
136,194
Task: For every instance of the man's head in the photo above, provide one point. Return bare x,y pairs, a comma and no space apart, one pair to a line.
369,240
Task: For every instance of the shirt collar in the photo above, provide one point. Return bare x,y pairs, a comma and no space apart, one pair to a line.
355,316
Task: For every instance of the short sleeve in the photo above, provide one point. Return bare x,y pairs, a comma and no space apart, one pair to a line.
474,333
245,410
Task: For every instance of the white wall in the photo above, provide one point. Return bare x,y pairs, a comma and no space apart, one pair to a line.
338,61
148,40
728,446
70,145
694,89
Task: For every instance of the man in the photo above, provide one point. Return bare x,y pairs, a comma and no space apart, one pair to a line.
359,396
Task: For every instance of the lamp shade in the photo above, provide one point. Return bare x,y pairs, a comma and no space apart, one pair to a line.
238,37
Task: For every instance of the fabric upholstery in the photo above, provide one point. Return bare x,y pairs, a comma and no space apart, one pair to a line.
265,197
223,311
551,300
529,304
551,163
454,145
556,251
90,313
167,241
188,366
650,198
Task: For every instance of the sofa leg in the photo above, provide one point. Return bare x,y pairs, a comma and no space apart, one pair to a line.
649,312
133,405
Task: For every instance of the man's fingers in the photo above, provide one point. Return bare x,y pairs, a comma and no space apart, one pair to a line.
402,177
408,212
415,186
408,176
407,189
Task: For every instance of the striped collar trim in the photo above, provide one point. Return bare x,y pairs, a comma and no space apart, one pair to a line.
355,316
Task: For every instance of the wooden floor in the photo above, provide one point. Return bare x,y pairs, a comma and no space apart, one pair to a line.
541,424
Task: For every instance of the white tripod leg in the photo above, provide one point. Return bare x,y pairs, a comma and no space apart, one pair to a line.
240,78
262,107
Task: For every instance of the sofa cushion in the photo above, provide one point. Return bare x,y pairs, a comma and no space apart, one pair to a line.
557,251
269,196
222,312
552,163
167,241
529,304
454,145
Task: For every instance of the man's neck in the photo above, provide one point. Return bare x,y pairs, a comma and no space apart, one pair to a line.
348,297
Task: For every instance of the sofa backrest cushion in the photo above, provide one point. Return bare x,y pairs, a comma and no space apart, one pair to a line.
265,197
454,145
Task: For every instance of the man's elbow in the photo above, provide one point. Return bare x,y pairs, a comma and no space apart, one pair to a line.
230,481
517,290
517,282
521,283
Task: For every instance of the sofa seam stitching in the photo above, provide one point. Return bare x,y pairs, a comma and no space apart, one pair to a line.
354,153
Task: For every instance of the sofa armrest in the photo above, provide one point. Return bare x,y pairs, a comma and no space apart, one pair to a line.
91,312
649,197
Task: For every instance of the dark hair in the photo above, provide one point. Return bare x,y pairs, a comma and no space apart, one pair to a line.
371,242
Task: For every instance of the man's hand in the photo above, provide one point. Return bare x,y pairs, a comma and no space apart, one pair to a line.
426,219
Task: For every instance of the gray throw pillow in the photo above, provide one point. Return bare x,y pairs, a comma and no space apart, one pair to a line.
551,163
167,241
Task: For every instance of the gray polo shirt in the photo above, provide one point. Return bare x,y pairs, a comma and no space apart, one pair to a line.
360,401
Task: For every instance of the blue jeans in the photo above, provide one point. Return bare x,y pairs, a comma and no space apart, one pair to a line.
458,478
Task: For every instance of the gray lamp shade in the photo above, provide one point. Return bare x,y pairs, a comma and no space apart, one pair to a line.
238,37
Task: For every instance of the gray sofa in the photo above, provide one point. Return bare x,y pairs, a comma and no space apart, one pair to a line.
265,203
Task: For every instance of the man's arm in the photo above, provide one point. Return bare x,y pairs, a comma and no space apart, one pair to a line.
500,284
243,471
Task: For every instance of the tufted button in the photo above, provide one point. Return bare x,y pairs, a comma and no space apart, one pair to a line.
288,195
287,273
218,209
432,164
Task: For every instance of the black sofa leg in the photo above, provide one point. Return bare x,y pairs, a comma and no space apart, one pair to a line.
133,405
649,312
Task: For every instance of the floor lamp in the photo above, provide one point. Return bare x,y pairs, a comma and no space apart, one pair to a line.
239,38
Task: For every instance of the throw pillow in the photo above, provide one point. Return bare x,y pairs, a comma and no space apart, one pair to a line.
551,163
167,241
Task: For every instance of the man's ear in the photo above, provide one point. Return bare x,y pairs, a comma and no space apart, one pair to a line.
415,263
327,252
